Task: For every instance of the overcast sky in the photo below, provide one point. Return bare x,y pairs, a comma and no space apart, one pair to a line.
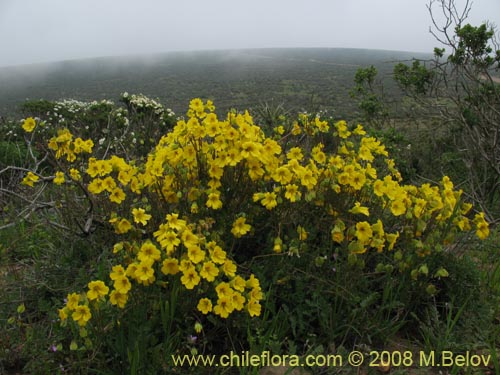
49,30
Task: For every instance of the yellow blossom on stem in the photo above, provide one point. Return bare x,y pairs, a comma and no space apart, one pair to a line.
240,227
81,315
30,179
209,271
59,178
204,306
364,232
254,308
218,255
482,229
97,289
117,196
302,233
72,301
122,226
190,278
122,284
118,299
29,124
224,307
117,272
170,266
358,209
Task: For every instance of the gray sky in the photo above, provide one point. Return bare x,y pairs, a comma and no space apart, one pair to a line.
49,30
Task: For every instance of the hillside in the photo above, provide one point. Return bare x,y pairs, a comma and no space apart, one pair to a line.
300,78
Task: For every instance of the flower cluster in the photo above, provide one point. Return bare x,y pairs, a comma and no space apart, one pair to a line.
210,183
141,102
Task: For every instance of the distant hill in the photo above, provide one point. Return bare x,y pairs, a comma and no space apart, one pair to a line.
308,79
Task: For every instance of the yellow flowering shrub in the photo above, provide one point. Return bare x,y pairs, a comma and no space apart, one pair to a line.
213,190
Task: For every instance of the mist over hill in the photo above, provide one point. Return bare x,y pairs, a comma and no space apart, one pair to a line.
303,79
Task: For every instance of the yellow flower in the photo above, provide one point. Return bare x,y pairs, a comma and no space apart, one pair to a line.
229,268
359,130
398,207
81,315
170,266
204,306
463,223
282,175
144,271
240,227
357,180
117,272
318,155
75,174
97,289
269,201
140,216
195,254
122,284
30,179
256,293
253,282
296,129
168,241
209,271
302,233
278,245
337,234
123,226
364,232
218,255
214,201
342,129
295,153
358,209
117,196
238,283
148,251
224,307
190,278
109,184
59,178
254,308
292,192
72,301
185,265
96,186
118,299
238,301
223,289
279,129
308,179
482,229
391,240
419,206
63,314
29,125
